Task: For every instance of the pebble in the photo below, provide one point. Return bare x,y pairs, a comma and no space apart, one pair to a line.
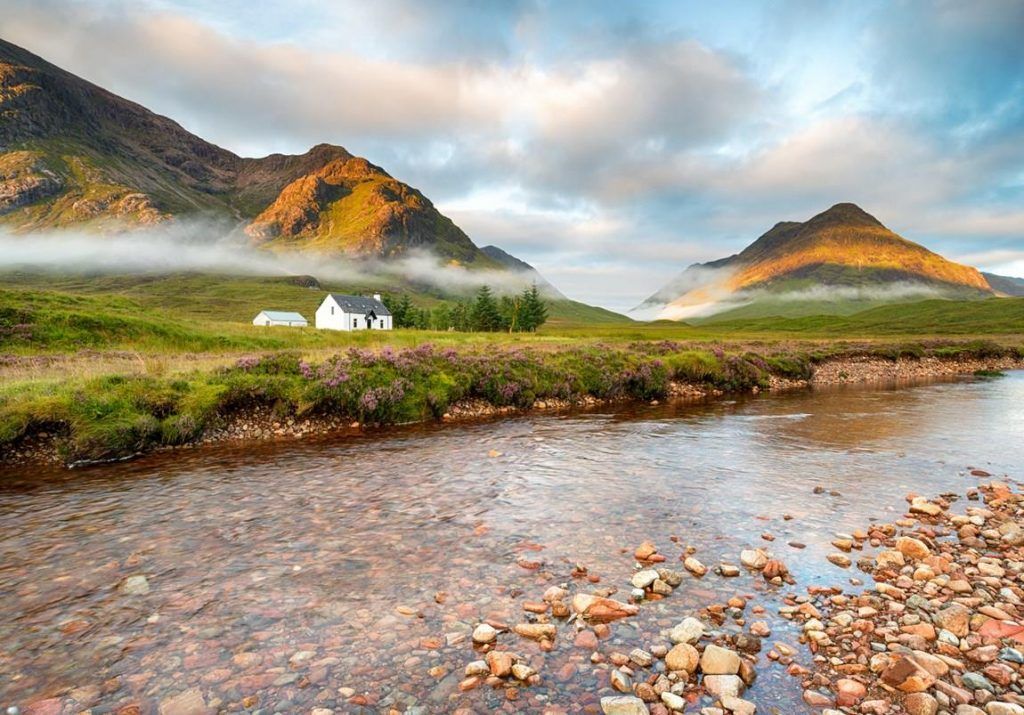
689,630
135,586
623,705
694,566
841,560
484,633
673,701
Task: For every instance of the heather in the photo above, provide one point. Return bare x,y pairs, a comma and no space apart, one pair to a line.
119,415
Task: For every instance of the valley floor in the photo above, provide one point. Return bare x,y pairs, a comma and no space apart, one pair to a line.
99,368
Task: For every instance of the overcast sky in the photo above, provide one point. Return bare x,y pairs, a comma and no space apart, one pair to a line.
609,144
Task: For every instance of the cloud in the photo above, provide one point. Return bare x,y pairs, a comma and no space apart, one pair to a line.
589,136
956,65
198,246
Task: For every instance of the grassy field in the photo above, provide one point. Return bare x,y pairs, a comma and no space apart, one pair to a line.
199,313
211,314
117,365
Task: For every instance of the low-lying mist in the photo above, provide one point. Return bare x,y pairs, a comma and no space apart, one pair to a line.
197,247
890,293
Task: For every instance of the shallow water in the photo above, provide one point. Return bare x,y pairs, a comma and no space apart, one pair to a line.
253,554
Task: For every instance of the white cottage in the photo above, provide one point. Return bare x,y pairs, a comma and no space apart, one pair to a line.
280,317
353,312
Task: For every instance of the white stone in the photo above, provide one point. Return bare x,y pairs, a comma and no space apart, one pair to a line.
135,586
643,579
673,701
484,634
623,705
690,630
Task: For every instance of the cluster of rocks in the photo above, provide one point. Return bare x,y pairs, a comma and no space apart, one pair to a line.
265,423
35,448
875,369
501,668
942,629
773,570
694,664
688,672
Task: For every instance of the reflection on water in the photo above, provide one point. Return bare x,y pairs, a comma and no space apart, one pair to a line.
252,555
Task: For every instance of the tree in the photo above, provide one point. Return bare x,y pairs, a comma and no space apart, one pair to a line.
485,316
511,309
534,311
460,317
441,317
402,312
421,319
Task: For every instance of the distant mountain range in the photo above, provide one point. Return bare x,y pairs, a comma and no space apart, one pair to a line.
841,260
74,154
1006,285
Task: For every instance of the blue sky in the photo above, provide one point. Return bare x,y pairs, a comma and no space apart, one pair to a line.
610,144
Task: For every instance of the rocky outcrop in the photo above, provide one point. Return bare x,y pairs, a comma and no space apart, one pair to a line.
24,180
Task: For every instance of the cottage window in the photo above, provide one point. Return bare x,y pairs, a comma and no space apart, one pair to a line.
332,310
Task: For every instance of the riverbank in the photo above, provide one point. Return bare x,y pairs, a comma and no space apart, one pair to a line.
941,630
281,395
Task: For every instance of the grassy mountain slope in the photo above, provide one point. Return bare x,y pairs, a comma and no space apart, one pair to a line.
72,154
350,205
843,247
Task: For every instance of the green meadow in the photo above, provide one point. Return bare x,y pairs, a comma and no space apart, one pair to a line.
116,365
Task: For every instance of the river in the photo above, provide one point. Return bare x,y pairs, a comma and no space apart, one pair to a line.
279,576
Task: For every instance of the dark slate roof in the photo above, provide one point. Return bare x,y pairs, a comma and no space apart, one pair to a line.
360,304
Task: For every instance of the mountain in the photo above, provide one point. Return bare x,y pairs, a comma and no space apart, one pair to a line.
72,153
520,266
1005,285
840,256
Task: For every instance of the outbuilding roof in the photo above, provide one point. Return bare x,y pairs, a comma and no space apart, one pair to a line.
283,315
360,304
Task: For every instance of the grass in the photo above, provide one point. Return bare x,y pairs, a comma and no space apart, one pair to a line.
112,416
116,365
195,313
989,373
993,316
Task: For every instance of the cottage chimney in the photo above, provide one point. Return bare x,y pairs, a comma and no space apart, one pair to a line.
376,296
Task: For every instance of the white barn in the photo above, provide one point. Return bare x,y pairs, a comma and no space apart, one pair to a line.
280,317
353,312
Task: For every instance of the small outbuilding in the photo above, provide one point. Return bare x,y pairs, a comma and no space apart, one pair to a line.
280,317
353,312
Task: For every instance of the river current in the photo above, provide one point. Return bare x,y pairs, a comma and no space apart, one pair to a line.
347,574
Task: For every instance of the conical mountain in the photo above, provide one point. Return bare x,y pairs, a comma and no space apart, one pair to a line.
842,247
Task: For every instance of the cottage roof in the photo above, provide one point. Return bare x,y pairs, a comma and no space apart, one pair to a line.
360,304
283,315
